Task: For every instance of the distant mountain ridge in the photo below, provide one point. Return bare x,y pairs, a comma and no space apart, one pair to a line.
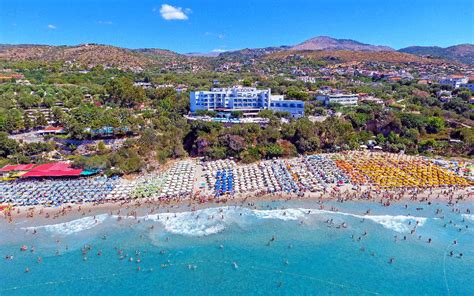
463,53
156,52
89,54
203,54
321,47
252,53
344,56
330,44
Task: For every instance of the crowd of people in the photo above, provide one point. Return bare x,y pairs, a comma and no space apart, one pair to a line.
394,170
195,179
55,192
177,182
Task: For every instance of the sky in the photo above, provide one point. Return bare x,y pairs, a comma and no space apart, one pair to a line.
212,25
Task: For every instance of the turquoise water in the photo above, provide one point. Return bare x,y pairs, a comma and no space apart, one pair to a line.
256,252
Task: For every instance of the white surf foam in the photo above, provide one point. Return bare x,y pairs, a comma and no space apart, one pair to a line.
187,223
285,215
214,220
468,216
73,226
398,223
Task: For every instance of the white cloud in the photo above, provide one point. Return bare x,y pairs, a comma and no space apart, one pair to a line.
169,12
105,22
52,27
219,50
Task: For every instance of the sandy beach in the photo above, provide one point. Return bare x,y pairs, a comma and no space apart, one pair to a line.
39,215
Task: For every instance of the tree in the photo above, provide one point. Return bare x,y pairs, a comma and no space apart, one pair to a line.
127,160
122,92
40,120
380,139
101,147
289,150
58,115
11,120
410,120
295,93
28,124
246,83
266,114
237,114
92,162
273,150
435,125
36,148
7,146
465,94
412,134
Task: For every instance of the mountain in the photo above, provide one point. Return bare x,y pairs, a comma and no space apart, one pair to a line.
329,44
253,53
463,53
86,54
211,54
156,52
318,48
343,56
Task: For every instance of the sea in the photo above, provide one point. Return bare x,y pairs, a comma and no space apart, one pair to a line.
274,248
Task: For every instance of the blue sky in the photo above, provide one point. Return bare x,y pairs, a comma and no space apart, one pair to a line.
212,25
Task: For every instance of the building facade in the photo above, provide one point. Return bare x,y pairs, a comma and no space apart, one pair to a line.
469,86
246,99
342,99
454,81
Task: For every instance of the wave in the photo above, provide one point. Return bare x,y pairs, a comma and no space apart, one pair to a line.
285,215
468,216
187,223
73,226
214,220
211,221
398,223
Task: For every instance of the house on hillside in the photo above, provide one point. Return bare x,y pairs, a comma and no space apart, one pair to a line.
454,81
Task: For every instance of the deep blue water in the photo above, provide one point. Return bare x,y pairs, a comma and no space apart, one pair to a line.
190,255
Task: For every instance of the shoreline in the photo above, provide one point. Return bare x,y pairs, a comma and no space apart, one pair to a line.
40,215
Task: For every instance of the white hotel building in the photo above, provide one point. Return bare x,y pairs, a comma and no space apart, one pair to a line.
246,99
342,99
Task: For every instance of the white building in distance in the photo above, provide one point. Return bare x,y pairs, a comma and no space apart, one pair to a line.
454,80
342,99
